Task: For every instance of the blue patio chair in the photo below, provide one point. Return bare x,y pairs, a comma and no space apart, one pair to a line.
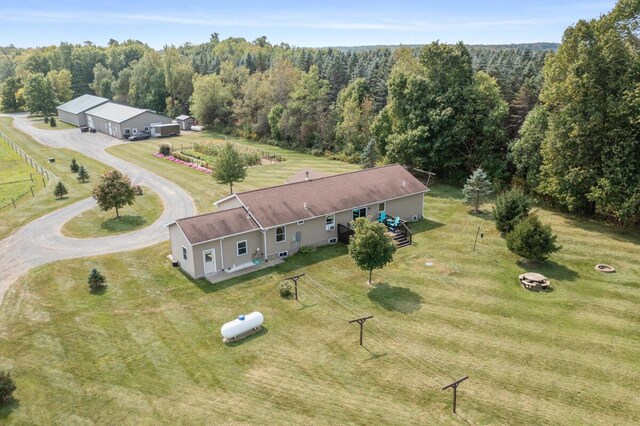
383,217
394,223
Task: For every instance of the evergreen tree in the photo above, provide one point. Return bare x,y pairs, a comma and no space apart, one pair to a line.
53,122
114,190
511,207
96,280
370,247
83,175
74,165
476,189
369,155
229,167
532,240
60,190
7,387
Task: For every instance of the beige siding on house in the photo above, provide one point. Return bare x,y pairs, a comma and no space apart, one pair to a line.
225,252
231,203
178,240
312,233
406,207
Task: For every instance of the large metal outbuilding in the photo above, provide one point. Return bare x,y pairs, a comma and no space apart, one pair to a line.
122,121
74,111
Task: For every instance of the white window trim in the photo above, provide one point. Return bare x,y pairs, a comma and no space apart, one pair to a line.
126,131
384,204
184,253
301,222
366,212
332,217
246,248
333,240
284,239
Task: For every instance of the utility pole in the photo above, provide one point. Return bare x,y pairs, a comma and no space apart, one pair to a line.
295,279
361,321
455,385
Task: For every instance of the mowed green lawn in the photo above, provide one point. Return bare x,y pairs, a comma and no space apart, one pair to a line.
38,121
149,350
44,201
202,188
146,209
15,176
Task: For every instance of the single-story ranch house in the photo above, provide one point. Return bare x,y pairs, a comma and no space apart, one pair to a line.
255,226
74,111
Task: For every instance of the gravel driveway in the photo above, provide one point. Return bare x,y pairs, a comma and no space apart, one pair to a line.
40,241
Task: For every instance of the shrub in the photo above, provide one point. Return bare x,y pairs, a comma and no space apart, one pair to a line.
532,240
165,148
285,289
511,207
52,122
7,387
96,281
46,119
137,189
307,249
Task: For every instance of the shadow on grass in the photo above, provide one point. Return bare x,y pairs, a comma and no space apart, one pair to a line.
9,407
294,263
264,330
399,299
549,269
483,214
374,355
424,225
445,191
616,232
100,291
123,223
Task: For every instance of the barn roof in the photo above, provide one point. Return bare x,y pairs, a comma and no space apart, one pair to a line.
82,104
115,112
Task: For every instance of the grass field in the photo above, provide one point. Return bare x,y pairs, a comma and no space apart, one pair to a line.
38,121
97,223
148,350
44,202
15,177
203,189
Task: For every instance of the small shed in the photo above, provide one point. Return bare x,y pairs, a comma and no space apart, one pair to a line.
185,121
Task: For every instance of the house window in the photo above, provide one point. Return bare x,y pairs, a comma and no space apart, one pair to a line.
361,212
331,220
184,252
281,234
301,222
127,131
382,207
242,247
146,129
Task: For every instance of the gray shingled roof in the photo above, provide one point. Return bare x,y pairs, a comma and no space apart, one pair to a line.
82,104
116,112
283,204
210,226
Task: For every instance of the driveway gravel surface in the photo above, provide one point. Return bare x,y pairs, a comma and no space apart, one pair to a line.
40,241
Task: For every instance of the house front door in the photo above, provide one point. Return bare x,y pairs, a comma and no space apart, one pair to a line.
209,258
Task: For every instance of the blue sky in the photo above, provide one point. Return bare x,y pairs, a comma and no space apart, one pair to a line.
300,23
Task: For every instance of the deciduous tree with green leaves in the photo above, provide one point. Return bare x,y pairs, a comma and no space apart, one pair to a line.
114,190
476,189
370,247
39,94
228,167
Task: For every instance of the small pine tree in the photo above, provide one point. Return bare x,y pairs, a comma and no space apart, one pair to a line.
52,122
369,155
60,190
96,280
83,175
511,207
476,189
46,119
532,240
74,166
7,387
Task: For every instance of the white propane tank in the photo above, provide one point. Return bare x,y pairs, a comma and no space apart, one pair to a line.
242,324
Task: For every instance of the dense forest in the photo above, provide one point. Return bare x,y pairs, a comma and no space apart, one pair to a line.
563,124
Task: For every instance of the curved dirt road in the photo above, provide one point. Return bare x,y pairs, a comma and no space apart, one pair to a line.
40,241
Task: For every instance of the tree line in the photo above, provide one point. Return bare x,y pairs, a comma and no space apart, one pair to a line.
562,125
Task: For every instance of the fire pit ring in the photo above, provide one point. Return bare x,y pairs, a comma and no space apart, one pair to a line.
605,268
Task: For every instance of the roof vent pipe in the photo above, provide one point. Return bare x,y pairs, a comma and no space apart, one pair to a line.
305,206
404,183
